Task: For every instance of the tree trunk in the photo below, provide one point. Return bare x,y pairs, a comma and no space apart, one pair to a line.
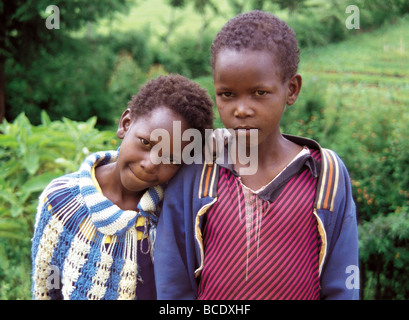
171,26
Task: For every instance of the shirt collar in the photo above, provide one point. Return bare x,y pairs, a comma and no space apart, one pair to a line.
271,191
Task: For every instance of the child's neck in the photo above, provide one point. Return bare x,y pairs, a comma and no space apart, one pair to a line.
273,157
108,181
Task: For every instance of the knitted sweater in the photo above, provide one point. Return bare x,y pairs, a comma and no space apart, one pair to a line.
84,246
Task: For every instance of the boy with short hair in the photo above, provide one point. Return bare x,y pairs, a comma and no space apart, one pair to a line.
289,231
95,228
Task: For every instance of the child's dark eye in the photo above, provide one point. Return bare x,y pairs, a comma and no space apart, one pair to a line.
261,93
145,142
226,94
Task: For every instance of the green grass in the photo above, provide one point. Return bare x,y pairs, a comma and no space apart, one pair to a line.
377,59
363,77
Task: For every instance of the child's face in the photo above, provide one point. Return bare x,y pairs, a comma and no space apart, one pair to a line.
137,171
250,92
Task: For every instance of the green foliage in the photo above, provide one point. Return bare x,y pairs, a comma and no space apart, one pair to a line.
354,100
38,64
378,12
23,29
187,56
30,157
23,36
71,84
307,116
318,23
291,5
126,80
137,44
384,245
15,269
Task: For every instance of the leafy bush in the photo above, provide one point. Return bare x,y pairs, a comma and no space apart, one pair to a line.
71,83
309,115
354,100
384,245
137,44
187,56
378,12
30,157
374,145
310,32
126,80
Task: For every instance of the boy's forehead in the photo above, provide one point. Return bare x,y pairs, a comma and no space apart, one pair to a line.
229,60
160,119
225,55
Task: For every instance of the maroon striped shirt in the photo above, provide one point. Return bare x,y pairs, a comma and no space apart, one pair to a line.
268,252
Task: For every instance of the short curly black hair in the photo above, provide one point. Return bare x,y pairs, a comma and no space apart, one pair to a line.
178,93
258,30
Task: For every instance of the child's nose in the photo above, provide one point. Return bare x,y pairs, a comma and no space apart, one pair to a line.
147,165
243,110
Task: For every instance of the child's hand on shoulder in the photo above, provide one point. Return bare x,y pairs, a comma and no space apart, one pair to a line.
220,137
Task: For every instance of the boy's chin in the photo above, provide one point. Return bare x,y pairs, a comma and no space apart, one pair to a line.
247,138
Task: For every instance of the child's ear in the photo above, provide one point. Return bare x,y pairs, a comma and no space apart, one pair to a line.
294,88
124,123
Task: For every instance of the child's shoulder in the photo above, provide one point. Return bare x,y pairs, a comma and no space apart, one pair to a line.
61,189
332,161
68,180
189,171
329,157
334,180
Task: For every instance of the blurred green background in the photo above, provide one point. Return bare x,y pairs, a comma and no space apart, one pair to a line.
62,91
